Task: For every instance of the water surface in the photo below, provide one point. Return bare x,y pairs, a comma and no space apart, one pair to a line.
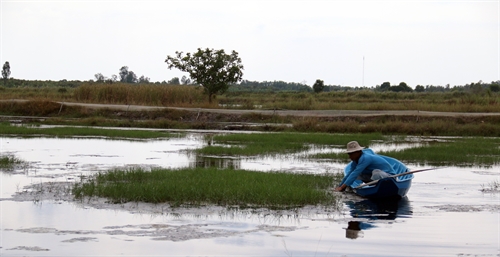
444,214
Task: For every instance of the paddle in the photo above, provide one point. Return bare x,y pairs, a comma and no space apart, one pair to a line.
393,176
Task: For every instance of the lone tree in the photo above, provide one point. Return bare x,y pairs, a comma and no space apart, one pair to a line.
127,76
5,72
318,86
212,69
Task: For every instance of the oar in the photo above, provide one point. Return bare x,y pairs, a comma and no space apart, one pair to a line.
393,176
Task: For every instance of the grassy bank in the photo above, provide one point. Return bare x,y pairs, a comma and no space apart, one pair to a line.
195,186
54,114
7,129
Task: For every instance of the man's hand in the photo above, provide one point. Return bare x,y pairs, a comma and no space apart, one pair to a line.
341,188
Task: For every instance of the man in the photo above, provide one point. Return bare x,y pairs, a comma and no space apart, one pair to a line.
366,166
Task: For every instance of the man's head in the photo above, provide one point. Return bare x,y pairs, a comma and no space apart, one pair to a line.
354,150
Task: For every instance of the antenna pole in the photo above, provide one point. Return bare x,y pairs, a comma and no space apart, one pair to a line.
363,71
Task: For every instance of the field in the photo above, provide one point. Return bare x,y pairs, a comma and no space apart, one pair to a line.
43,103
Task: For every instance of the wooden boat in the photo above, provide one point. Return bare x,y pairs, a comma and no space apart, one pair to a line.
390,187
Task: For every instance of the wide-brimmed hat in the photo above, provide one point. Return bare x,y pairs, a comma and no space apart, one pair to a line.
353,146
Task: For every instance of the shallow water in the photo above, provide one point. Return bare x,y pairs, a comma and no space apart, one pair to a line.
444,214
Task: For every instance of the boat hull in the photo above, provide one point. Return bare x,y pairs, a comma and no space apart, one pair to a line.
386,188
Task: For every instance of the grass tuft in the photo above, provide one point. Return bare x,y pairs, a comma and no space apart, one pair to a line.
9,161
199,186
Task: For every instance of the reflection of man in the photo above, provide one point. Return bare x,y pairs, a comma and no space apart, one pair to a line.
353,230
366,166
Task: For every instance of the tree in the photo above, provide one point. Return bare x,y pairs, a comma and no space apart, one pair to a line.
495,87
318,86
174,81
185,80
213,69
127,76
403,87
5,72
123,74
143,79
385,86
99,77
131,77
419,88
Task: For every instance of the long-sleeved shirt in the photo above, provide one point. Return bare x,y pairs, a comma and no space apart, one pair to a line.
368,162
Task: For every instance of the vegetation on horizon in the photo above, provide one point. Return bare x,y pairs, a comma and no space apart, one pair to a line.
193,96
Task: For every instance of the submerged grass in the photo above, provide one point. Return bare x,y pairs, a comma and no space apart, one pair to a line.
7,129
210,186
491,187
278,143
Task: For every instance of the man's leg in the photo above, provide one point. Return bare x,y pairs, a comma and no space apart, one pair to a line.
365,177
379,174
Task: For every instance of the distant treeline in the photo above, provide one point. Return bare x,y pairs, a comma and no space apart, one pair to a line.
272,86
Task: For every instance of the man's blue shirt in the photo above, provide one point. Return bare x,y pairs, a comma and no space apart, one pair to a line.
368,162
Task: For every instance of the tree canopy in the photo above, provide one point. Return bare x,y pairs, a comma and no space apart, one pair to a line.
318,86
5,72
213,69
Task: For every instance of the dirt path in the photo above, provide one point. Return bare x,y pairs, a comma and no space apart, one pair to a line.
299,113
315,113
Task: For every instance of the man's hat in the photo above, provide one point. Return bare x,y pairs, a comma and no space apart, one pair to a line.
353,146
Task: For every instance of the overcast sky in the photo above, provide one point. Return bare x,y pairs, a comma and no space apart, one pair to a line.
348,43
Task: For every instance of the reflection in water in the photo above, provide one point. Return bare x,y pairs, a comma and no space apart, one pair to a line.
197,161
353,230
383,209
372,210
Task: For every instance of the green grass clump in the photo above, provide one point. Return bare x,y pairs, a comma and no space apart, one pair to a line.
7,129
210,186
278,143
9,161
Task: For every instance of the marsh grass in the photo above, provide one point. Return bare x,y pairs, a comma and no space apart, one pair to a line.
144,94
468,151
278,143
197,186
7,129
455,151
9,161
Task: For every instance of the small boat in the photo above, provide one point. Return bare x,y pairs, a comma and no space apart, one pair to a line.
391,187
